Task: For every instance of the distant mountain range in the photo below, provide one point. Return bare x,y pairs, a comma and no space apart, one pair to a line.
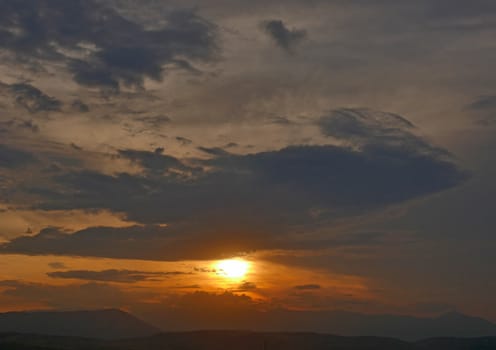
104,324
116,324
240,340
403,327
331,322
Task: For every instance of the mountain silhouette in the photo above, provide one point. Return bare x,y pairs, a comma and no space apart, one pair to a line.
117,324
343,323
104,324
240,340
397,326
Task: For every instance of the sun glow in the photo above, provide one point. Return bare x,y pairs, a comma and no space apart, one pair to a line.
233,268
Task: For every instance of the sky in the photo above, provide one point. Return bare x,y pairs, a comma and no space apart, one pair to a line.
341,151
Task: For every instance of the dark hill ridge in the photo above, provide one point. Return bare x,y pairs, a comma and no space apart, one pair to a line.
397,326
331,322
104,324
240,340
116,324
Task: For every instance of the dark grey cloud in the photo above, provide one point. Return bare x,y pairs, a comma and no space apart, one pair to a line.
484,109
279,186
57,265
368,130
156,162
155,121
360,123
280,121
307,287
214,151
385,164
183,140
487,102
14,158
134,242
125,53
28,125
19,125
31,98
285,38
113,275
381,163
458,9
80,106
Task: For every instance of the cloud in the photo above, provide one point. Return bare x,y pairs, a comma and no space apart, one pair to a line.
154,122
112,275
156,162
373,132
31,98
388,165
204,301
99,46
71,296
12,158
364,128
239,202
80,106
307,287
76,147
132,242
214,151
280,121
28,125
16,124
183,140
246,286
485,109
287,39
57,265
484,103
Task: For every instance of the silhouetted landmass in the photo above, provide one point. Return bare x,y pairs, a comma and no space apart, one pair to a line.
115,324
396,326
240,340
331,322
485,343
105,324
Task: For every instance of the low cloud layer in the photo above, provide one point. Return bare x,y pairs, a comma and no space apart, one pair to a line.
389,165
380,163
135,242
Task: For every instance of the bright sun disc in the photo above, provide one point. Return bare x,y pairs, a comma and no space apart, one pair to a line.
233,268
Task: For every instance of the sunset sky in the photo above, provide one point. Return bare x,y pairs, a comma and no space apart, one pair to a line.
338,154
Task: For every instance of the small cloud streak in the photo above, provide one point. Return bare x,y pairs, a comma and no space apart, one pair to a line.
285,38
112,275
307,287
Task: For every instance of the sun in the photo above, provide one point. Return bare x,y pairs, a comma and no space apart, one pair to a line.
233,268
